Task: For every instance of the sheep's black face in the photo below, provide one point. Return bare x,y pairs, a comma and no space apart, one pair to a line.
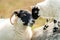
25,16
35,12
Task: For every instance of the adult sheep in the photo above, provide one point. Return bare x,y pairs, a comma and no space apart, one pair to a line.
47,8
17,27
46,32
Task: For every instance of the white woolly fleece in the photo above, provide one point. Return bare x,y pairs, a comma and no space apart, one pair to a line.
15,31
49,8
40,34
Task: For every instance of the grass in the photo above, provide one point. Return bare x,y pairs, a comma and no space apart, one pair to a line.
39,22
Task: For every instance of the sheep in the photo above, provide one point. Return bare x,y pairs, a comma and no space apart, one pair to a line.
46,32
47,8
17,27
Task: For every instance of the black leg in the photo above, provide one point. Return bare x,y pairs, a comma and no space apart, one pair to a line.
55,29
55,26
45,27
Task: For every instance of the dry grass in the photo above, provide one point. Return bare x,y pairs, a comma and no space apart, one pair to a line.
8,6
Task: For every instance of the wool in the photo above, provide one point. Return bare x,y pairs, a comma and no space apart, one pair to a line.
49,8
47,34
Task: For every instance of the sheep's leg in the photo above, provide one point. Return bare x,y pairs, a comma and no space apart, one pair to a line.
46,24
59,23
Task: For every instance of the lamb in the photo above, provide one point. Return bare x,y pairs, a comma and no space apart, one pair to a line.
46,32
17,27
47,8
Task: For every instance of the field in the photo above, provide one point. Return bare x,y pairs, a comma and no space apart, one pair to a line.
8,6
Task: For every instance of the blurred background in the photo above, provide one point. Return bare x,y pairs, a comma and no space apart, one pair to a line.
8,6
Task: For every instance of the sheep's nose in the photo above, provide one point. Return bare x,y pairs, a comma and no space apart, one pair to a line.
31,23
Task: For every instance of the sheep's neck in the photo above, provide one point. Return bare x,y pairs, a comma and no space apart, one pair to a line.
20,27
19,32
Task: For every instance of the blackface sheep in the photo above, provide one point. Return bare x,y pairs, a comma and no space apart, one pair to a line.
17,27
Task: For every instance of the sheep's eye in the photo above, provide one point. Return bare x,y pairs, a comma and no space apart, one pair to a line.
23,15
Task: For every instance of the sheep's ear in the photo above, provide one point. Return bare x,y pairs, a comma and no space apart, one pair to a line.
15,12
